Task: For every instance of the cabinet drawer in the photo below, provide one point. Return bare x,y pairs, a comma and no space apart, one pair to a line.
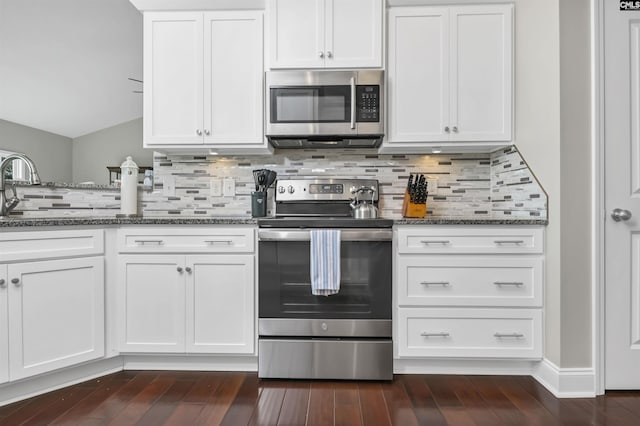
32,245
185,240
470,280
474,333
476,239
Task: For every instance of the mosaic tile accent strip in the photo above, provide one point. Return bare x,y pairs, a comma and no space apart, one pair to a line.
476,186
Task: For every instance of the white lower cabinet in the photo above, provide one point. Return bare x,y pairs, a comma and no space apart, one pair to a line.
56,314
151,303
469,292
470,333
4,326
52,288
187,303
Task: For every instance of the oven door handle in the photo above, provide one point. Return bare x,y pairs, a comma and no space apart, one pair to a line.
360,234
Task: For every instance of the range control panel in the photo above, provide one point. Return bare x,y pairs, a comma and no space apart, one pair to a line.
368,103
328,189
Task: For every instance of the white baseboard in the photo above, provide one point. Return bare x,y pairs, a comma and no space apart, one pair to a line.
566,382
493,367
190,362
562,382
29,387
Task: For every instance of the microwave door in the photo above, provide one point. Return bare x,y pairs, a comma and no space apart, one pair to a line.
310,110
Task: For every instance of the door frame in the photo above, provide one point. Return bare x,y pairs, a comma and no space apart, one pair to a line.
599,216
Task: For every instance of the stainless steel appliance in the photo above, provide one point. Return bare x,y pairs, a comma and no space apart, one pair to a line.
325,109
342,336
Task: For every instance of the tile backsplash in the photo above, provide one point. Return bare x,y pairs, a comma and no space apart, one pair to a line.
491,185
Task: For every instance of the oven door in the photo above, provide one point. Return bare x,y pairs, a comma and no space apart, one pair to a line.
285,300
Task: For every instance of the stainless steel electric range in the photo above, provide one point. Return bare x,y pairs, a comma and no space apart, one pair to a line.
343,336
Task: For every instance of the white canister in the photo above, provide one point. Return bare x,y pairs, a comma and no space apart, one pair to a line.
129,187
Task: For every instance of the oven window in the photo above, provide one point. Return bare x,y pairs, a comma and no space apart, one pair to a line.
285,285
311,104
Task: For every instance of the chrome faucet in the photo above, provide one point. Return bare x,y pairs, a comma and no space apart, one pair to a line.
7,205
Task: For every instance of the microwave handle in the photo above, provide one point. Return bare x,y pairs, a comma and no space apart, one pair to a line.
353,102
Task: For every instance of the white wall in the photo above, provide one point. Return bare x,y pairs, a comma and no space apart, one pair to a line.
92,153
575,161
51,153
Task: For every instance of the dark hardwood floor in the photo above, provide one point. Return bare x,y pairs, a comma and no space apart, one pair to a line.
220,398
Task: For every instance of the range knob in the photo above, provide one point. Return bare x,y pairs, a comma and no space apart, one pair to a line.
281,189
291,189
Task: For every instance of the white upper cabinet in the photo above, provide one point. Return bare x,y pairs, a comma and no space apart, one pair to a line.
325,33
203,76
449,75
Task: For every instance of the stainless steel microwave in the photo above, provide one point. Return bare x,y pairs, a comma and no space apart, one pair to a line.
325,109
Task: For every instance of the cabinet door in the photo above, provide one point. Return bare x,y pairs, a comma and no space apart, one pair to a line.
4,326
57,314
296,29
418,78
481,72
173,78
353,35
220,304
233,89
151,308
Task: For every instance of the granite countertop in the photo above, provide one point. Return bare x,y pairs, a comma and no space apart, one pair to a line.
452,220
65,221
15,222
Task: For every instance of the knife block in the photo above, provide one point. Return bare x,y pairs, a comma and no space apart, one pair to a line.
413,210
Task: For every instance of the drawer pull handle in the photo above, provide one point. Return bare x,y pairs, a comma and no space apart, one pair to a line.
442,283
516,242
508,335
212,242
441,334
443,242
512,283
143,242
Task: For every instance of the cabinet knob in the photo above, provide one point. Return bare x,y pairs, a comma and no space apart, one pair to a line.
206,132
2,282
321,54
329,54
199,132
15,281
179,268
455,129
188,269
446,129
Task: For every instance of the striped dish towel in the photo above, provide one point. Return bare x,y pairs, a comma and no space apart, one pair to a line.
325,262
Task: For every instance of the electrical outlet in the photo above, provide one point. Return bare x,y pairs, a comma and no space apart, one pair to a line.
229,187
432,186
215,187
169,186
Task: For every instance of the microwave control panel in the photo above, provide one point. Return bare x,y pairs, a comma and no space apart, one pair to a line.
368,103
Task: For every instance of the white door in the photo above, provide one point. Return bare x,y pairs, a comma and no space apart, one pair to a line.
57,314
418,78
233,78
353,35
220,304
481,44
622,191
151,305
4,326
296,33
173,78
